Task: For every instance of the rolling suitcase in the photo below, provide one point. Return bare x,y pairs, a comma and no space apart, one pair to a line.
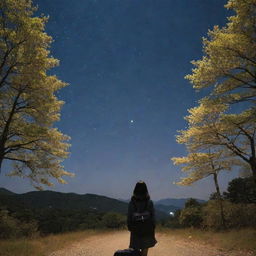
127,252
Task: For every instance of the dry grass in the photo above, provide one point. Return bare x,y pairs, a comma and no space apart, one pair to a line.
43,245
232,240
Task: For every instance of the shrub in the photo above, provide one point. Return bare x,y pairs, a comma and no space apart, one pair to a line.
211,215
11,227
91,221
113,220
8,225
28,229
191,217
236,215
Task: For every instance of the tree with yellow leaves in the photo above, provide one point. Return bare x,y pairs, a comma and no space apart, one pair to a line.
211,128
28,105
229,62
204,158
201,165
216,141
229,67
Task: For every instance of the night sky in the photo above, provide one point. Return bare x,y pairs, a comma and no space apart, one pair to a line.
125,61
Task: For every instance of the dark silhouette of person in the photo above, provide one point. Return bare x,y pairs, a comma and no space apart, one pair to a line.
141,219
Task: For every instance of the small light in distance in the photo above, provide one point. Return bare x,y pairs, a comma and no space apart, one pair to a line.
171,213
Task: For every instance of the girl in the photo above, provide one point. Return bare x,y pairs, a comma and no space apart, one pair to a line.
141,219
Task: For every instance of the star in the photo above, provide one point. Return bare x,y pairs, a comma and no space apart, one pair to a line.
131,121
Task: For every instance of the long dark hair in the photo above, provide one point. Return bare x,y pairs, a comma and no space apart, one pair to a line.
140,191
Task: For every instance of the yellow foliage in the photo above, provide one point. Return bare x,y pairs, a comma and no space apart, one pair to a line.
229,62
28,103
218,137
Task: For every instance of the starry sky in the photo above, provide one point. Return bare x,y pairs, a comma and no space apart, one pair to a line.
125,61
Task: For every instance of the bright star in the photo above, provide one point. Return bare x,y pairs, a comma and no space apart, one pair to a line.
131,121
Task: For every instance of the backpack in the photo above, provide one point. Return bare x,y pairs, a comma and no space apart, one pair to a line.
142,221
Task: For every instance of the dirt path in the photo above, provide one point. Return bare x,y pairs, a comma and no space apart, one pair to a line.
107,244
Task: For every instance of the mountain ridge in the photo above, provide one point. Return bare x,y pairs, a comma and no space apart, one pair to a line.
6,191
164,201
177,202
59,200
87,201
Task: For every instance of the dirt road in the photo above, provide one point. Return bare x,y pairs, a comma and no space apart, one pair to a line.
106,244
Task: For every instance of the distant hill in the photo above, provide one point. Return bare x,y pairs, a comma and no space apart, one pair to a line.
168,205
179,203
58,200
124,200
166,208
4,191
67,201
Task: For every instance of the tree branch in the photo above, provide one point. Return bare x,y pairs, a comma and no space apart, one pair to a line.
230,145
240,80
17,146
15,159
8,72
240,54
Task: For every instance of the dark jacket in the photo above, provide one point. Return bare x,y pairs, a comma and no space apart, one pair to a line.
138,241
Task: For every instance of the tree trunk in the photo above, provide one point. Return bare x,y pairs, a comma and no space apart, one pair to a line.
1,154
253,168
223,222
1,160
4,135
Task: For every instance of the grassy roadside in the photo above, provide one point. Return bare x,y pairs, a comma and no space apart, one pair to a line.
42,246
231,240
